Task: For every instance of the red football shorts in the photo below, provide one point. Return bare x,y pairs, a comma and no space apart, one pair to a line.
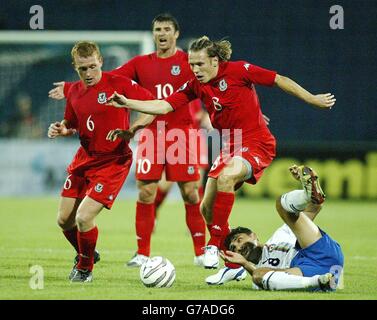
169,150
100,178
256,154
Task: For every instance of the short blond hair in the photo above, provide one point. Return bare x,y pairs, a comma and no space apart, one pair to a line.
221,49
85,49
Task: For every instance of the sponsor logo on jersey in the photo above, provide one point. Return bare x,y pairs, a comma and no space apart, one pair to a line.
190,170
102,97
98,188
216,227
247,66
223,85
175,70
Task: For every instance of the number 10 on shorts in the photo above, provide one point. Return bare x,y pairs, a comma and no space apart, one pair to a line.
143,166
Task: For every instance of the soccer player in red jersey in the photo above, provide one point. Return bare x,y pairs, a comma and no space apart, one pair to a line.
100,166
200,120
228,91
162,73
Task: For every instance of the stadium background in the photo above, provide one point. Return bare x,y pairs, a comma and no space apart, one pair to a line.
290,36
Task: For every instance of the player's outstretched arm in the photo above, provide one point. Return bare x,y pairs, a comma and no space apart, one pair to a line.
57,93
323,101
148,106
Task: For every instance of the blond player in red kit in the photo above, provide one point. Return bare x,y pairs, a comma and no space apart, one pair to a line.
100,166
227,89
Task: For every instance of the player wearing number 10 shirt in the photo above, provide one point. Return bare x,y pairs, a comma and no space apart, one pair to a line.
162,73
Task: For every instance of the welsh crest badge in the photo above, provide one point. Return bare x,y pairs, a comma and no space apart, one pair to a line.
190,170
175,70
102,97
223,85
99,187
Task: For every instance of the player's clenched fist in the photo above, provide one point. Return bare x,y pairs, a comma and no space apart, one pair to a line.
57,129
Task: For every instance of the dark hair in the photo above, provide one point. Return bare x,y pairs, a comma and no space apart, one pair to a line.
166,17
234,233
221,49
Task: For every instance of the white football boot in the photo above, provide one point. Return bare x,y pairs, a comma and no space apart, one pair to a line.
137,260
310,182
199,261
211,257
227,274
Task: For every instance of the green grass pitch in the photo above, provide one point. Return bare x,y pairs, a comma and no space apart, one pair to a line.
29,236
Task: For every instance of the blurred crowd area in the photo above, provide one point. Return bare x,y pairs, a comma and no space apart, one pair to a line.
23,122
292,37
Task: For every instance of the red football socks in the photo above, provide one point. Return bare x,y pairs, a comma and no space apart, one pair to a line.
71,236
222,208
195,223
87,243
144,227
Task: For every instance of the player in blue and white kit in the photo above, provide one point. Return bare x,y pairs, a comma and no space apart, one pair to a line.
299,255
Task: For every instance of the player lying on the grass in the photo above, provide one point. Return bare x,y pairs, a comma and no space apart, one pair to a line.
299,255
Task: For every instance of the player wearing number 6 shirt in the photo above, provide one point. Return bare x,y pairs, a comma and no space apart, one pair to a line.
162,72
100,166
228,92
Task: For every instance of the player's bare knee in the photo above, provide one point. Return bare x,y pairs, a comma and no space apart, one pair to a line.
62,222
190,195
82,219
147,194
225,183
65,220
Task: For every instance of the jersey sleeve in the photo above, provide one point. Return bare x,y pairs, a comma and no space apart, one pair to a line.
70,115
283,234
257,75
133,90
182,96
66,87
127,70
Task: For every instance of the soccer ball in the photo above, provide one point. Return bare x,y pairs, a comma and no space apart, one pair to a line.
157,272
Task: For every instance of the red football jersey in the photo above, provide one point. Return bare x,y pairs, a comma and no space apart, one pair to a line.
162,77
195,107
230,98
86,111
